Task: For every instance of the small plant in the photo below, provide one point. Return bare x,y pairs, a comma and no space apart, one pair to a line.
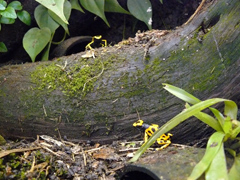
9,13
227,128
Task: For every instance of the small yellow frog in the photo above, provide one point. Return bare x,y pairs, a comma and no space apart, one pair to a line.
103,42
149,130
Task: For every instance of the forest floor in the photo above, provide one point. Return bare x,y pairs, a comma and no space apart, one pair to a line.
49,158
57,158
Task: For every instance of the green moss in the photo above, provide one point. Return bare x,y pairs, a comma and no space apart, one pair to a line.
77,80
2,140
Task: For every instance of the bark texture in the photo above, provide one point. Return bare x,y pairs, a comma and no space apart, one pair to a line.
99,98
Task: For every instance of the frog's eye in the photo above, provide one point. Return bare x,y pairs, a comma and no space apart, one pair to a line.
138,123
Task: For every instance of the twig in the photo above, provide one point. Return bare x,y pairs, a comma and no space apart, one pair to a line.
33,164
94,77
62,67
180,145
84,158
129,149
197,10
44,110
49,150
94,149
7,152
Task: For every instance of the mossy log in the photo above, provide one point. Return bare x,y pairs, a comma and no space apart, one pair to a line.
98,98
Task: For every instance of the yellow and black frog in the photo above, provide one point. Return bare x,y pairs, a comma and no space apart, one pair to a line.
148,130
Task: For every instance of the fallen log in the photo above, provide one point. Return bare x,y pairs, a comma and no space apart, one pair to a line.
98,98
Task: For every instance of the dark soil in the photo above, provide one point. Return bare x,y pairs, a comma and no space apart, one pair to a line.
57,158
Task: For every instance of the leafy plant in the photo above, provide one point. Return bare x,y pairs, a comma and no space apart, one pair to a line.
9,13
226,125
55,13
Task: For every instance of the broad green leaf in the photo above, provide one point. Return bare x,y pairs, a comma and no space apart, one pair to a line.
3,47
25,17
16,5
234,173
4,20
114,6
95,7
35,40
67,12
231,109
43,19
9,12
218,166
218,115
55,6
75,5
196,108
181,94
161,1
213,146
2,7
4,3
142,10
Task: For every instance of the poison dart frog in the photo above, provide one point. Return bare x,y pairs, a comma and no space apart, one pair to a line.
149,130
103,42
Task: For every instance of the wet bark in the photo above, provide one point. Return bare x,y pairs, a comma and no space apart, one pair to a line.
99,98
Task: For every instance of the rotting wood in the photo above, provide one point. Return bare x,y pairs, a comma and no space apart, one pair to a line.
187,57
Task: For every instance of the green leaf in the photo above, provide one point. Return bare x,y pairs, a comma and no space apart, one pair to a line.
218,115
114,6
35,40
209,120
67,12
161,1
213,146
46,50
9,12
236,131
3,47
196,108
181,94
218,166
231,109
2,7
55,6
95,7
234,173
142,10
25,17
227,126
16,5
4,20
75,5
43,19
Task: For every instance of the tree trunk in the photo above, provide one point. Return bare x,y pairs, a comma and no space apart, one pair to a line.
99,98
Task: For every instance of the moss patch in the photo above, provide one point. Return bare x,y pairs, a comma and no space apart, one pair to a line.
75,80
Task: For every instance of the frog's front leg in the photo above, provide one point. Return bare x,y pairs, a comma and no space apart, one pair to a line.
145,137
